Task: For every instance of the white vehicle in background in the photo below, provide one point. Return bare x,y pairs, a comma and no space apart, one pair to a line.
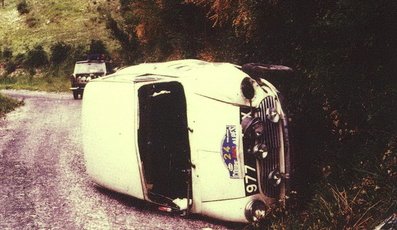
84,71
190,136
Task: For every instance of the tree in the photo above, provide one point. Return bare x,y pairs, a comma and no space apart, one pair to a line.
59,52
36,57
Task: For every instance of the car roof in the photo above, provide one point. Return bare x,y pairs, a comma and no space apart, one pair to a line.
90,61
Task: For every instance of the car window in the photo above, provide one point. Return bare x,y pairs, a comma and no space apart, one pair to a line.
89,68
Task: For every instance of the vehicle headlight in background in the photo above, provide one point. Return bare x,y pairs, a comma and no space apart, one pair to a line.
247,88
255,211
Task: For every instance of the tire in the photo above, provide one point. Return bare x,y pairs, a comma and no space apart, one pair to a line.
75,94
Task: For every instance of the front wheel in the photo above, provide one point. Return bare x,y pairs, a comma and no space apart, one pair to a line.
75,94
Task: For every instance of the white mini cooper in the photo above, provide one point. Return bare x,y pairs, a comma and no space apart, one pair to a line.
190,136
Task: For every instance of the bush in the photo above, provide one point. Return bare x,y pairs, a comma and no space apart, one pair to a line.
37,57
59,52
19,60
7,53
77,53
31,22
22,7
98,47
8,104
10,67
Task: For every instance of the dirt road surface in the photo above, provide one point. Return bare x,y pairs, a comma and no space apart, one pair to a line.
43,183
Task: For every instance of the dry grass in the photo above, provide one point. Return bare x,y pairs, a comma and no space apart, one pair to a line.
74,22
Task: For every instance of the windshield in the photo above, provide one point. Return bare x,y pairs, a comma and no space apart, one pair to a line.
89,68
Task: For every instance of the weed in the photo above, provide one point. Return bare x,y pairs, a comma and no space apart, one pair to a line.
23,7
8,104
31,21
37,57
59,52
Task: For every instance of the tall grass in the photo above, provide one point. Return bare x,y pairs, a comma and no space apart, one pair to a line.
48,81
8,104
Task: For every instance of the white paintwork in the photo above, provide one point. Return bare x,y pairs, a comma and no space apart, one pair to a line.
213,98
109,135
228,210
208,120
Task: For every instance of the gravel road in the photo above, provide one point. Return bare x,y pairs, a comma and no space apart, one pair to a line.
43,184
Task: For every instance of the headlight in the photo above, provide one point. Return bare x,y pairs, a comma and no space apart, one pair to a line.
247,88
255,211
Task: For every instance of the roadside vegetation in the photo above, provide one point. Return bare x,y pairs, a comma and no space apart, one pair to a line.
341,98
8,104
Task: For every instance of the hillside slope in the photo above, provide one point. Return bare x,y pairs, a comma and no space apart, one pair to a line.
47,22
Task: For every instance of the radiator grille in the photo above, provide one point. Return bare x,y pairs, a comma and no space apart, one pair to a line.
272,140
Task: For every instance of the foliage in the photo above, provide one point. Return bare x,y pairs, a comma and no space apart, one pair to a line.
128,42
159,30
10,67
23,7
31,21
36,57
7,53
59,52
98,47
74,22
42,81
8,104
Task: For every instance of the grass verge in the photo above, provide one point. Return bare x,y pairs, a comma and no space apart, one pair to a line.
8,104
37,82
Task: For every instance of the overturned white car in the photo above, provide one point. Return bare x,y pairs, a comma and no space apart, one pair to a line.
190,136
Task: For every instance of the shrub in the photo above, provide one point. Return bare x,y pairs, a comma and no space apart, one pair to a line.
23,7
59,52
78,53
98,47
8,104
10,67
19,60
7,53
37,57
31,22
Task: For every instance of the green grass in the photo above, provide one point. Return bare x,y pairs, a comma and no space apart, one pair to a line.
74,22
8,104
38,82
